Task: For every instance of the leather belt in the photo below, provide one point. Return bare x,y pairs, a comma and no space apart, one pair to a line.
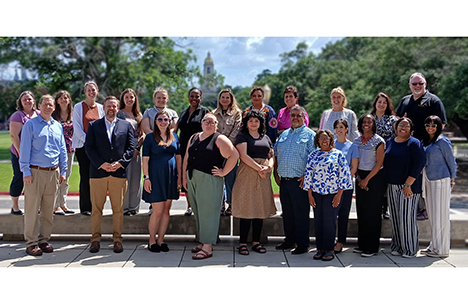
44,169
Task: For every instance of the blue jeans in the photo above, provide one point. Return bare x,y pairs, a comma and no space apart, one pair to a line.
229,184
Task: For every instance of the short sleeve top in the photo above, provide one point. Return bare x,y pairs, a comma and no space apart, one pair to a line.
19,116
256,147
368,151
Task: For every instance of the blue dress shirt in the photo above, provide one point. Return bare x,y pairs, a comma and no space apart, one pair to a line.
42,144
292,150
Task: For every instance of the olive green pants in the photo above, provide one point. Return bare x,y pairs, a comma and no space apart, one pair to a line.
205,193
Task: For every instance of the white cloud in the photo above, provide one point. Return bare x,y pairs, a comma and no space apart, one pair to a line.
241,59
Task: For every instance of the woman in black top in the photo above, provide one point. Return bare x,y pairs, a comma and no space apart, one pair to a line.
188,124
203,174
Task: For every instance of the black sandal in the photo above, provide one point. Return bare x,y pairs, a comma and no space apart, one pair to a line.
319,255
243,250
259,248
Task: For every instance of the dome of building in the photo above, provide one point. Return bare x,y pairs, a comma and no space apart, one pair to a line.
208,59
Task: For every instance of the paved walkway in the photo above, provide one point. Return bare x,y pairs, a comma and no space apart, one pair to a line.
68,254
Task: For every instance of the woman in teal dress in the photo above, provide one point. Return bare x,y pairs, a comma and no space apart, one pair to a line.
161,166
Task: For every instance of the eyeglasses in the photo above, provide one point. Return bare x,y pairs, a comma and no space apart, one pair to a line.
211,123
404,126
430,125
165,119
416,83
297,115
324,138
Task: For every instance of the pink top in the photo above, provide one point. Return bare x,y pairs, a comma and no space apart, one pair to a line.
284,121
19,116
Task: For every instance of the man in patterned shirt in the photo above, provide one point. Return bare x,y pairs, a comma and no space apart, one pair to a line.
291,152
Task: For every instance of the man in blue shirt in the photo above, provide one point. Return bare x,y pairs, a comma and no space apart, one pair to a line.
292,150
43,161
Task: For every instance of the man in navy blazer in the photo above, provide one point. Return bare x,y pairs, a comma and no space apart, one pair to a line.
110,145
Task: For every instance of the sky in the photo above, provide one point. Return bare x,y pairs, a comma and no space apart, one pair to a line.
241,59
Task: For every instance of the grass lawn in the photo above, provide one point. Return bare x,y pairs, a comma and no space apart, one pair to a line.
5,143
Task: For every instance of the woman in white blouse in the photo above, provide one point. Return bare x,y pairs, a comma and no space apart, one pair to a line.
338,110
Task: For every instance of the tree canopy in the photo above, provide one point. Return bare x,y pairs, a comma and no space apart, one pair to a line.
66,63
365,66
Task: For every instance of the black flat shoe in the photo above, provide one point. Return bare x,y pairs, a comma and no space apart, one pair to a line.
154,247
19,212
87,213
164,247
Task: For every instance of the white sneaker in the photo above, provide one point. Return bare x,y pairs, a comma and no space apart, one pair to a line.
408,256
357,250
395,253
368,254
432,254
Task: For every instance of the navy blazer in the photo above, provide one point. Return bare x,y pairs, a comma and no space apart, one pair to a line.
100,150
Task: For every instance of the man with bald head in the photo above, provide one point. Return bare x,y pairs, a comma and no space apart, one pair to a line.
420,104
417,106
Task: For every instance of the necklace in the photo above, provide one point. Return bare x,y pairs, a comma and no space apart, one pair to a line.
365,139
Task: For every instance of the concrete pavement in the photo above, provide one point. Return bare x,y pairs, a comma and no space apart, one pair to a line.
73,251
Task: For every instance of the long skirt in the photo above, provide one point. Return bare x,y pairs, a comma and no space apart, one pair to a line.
252,195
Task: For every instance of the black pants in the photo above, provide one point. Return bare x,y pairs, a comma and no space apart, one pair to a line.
296,212
85,195
244,228
343,215
369,211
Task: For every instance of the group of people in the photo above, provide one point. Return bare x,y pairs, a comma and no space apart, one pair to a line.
224,160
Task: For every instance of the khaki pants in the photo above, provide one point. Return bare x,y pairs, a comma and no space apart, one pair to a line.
117,187
39,198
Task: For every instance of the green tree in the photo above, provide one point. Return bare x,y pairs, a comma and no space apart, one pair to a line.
115,63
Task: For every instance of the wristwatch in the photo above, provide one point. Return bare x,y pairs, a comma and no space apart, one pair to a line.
407,185
145,176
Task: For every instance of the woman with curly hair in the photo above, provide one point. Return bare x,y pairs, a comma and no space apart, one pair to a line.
252,190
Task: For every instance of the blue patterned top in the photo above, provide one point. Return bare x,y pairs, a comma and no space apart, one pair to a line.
327,172
292,149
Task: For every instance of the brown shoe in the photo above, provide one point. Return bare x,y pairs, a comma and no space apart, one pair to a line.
45,247
118,248
95,246
34,250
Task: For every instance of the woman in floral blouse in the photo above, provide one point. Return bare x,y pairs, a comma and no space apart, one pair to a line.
384,116
327,176
382,110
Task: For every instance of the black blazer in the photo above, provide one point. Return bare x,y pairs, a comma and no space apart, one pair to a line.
100,150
